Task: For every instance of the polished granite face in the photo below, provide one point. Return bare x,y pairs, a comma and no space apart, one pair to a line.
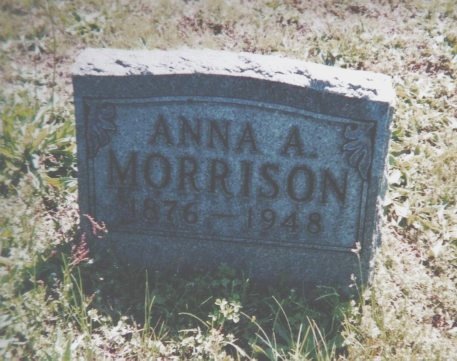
195,158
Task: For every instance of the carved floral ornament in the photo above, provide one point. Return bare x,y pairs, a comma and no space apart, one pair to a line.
100,126
359,147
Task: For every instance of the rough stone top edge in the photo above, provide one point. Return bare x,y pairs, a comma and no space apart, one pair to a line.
350,83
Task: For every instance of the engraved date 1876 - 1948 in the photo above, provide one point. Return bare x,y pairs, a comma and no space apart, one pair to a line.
184,214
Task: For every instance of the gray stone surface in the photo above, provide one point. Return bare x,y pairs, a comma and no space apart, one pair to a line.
195,158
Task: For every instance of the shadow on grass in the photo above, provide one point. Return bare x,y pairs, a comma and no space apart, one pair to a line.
266,321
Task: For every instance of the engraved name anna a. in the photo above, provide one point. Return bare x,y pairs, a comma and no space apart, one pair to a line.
161,170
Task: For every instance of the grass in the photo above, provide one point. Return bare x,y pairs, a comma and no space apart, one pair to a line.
58,302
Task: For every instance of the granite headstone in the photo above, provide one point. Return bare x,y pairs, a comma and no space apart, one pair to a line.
195,158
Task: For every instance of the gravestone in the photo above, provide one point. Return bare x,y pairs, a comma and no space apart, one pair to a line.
196,158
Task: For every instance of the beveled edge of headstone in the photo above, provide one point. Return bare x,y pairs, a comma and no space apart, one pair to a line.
349,83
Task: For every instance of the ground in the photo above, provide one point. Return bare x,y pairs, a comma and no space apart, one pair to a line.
59,302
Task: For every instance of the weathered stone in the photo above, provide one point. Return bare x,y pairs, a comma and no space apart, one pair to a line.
195,158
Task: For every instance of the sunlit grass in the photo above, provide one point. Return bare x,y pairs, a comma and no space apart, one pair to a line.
58,302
